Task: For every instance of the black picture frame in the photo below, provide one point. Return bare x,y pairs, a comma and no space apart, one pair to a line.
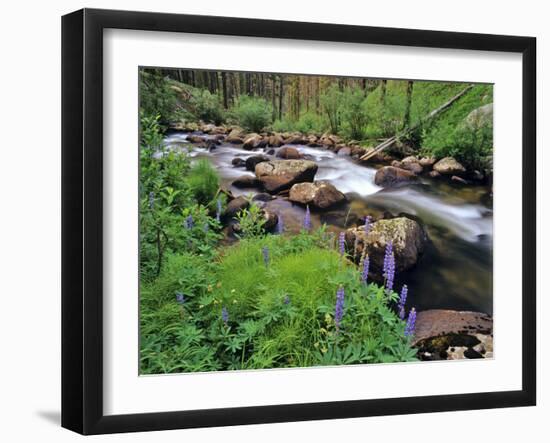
82,218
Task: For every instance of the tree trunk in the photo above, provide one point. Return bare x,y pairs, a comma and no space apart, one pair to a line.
383,91
224,90
407,116
281,95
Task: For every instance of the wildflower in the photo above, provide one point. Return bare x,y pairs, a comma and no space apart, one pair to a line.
188,223
265,253
411,321
402,301
389,266
342,243
339,308
280,224
286,300
218,209
365,271
307,219
180,298
206,227
151,200
225,315
367,224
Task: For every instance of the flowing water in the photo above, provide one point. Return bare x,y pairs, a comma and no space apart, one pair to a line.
455,271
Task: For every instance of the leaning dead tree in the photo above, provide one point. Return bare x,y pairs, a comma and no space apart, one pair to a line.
390,141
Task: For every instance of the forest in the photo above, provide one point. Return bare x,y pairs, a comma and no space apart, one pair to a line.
300,220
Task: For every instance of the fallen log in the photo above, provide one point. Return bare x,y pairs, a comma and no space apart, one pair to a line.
390,141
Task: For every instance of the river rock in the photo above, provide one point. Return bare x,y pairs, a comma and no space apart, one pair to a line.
253,141
238,162
235,206
390,176
434,174
275,140
236,136
289,153
278,175
245,181
185,126
407,236
296,139
193,138
442,333
449,166
263,197
320,194
313,141
427,162
458,179
252,161
480,117
346,150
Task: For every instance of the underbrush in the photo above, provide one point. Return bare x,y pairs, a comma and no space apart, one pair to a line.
267,302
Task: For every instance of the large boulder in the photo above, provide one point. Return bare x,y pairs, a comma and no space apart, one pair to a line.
289,153
408,240
321,194
390,176
278,175
275,140
193,138
480,117
449,166
238,162
245,181
345,150
235,206
253,141
427,162
236,136
253,160
442,334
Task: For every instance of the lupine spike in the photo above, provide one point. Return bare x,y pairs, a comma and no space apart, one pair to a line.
339,307
307,219
365,272
218,209
390,272
411,323
225,315
367,224
402,301
388,252
188,223
280,224
286,300
265,253
180,298
206,227
151,200
342,243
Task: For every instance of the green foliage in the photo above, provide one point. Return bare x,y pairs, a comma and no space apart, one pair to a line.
354,113
262,329
331,104
207,106
155,95
252,113
203,181
251,222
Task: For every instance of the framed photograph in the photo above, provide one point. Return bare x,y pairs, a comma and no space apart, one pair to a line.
270,221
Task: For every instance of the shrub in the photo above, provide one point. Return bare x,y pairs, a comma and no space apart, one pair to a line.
330,102
252,113
354,113
208,107
155,95
204,181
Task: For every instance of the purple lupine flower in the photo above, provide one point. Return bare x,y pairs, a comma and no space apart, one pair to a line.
365,271
265,253
390,272
342,243
206,227
402,301
188,223
286,300
151,200
411,322
307,219
225,315
280,224
218,209
367,224
387,254
180,298
339,307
